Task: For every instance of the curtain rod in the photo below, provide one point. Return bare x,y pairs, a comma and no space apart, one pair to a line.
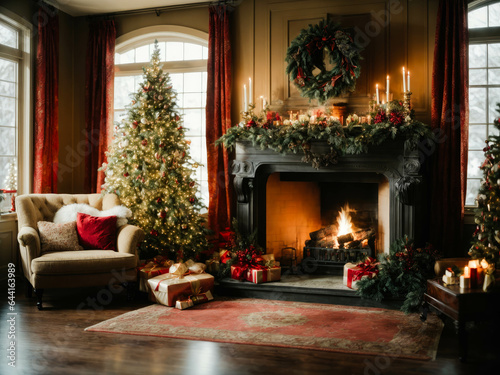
159,10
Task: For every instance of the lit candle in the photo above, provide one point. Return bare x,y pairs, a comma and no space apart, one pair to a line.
250,94
387,90
378,97
409,80
245,102
404,80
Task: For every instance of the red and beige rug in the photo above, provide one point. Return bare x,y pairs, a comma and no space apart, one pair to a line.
314,326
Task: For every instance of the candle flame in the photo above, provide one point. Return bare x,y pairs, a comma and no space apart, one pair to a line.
466,272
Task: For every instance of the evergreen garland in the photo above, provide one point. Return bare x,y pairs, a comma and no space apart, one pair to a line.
402,274
306,61
486,239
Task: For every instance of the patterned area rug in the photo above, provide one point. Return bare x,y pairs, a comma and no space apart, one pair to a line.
314,326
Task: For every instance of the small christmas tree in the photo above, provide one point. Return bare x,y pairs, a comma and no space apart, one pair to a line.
10,182
486,239
150,169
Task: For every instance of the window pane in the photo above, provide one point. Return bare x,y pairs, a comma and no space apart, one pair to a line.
192,100
477,105
117,59
494,77
192,82
7,88
142,54
127,57
494,98
192,51
494,55
476,158
177,80
124,86
478,18
477,77
8,36
477,56
175,51
192,119
7,111
472,190
205,53
204,82
7,142
494,15
477,136
8,70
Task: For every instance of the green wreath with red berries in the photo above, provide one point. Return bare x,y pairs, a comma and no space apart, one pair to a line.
306,58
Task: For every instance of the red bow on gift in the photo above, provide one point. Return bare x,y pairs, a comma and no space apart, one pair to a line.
249,258
368,268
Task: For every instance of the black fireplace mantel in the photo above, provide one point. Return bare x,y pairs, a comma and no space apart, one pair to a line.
252,167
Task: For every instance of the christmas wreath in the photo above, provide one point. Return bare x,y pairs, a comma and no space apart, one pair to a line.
306,57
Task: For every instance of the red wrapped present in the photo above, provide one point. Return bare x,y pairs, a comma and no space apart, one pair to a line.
179,284
151,269
355,272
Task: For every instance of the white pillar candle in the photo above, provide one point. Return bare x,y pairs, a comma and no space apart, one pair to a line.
409,80
245,102
387,90
250,94
378,97
404,80
464,282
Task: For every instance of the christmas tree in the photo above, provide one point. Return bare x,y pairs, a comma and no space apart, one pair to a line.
10,182
150,169
486,239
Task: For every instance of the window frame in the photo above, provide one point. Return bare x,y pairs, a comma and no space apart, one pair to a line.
24,126
170,33
482,35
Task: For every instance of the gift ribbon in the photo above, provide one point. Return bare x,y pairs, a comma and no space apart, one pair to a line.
368,268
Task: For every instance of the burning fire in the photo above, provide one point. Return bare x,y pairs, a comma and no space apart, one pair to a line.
344,221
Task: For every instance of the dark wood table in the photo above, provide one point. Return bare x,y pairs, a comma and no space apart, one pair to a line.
461,305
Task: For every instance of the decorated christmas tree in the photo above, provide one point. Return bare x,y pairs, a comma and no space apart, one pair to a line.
150,169
486,240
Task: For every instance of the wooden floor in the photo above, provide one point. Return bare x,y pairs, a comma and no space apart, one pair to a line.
53,341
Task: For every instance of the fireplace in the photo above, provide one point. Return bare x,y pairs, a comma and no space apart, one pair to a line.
291,204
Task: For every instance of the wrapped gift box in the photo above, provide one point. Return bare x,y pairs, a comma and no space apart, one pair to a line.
263,276
169,288
212,266
194,300
352,274
149,270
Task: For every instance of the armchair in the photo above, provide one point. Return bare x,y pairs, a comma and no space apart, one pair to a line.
72,269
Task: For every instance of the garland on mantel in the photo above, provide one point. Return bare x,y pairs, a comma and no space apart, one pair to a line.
356,138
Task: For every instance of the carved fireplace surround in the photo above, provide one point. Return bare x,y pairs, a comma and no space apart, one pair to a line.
252,167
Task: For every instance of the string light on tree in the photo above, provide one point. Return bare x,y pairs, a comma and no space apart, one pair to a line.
150,169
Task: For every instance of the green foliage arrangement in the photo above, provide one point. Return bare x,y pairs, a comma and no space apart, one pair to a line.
323,61
486,240
402,274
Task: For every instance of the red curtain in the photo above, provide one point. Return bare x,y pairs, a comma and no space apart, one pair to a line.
99,85
218,113
46,103
450,121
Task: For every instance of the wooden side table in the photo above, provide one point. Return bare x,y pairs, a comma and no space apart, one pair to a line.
461,305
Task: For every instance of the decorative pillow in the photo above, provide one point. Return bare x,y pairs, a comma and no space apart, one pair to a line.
58,237
96,232
68,213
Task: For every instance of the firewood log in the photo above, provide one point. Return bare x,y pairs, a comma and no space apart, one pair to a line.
345,238
317,235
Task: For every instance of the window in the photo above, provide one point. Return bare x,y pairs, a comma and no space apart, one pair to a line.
484,87
184,55
15,110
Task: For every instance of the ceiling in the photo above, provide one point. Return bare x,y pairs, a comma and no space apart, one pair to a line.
78,8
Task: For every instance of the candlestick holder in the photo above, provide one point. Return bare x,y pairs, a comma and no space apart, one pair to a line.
407,101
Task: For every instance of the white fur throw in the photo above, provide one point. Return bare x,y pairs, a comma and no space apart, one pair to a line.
68,213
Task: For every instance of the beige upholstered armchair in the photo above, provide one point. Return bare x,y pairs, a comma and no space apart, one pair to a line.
77,268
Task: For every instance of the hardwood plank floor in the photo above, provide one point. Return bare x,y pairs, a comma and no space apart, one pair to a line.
53,341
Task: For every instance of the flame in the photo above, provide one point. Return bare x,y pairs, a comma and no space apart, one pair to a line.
344,221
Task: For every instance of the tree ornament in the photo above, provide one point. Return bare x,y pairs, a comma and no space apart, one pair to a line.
144,142
144,121
332,51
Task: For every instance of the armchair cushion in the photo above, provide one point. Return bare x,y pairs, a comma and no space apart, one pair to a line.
58,237
82,262
96,232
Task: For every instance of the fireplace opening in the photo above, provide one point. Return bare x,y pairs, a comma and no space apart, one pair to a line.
333,217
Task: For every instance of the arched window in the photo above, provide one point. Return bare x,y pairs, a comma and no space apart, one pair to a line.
184,55
484,86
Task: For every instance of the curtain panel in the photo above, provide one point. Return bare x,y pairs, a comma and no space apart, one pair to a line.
99,86
450,122
218,119
46,124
